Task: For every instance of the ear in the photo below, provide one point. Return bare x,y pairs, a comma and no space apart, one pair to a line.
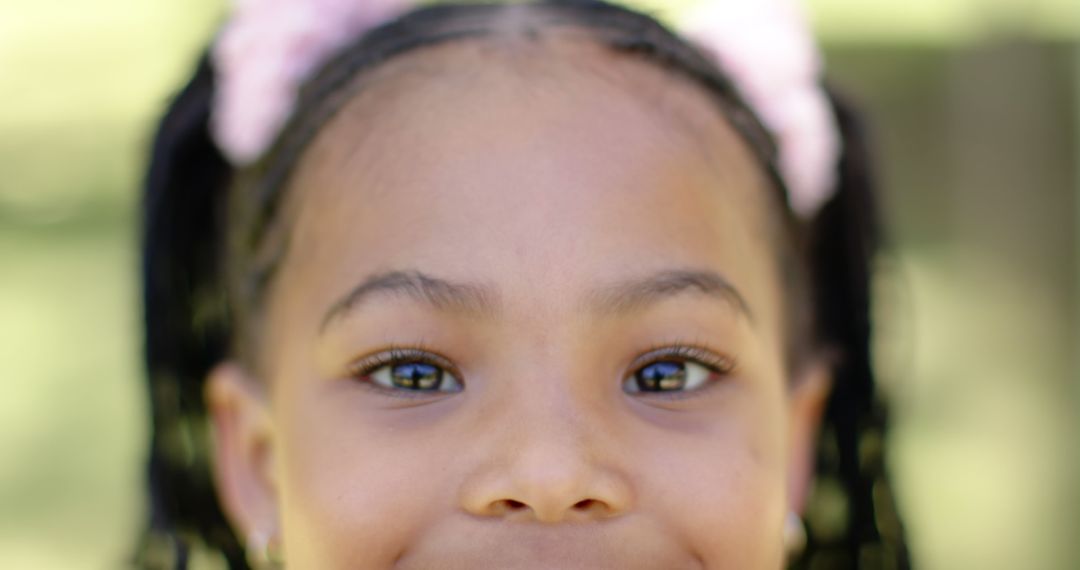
806,406
243,450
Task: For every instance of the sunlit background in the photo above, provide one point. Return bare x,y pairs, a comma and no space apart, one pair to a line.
976,106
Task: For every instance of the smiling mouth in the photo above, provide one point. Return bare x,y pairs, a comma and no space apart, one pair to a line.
559,547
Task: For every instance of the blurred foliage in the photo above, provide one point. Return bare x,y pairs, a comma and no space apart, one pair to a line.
976,105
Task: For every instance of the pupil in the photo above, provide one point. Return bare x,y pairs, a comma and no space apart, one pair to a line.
661,377
416,376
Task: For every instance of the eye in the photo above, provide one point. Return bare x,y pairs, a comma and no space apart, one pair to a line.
408,370
677,369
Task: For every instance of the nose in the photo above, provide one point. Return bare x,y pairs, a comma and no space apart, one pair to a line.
544,467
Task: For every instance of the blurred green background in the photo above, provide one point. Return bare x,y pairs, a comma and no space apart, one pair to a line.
976,107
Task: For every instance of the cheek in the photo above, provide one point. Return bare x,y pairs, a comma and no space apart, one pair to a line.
722,487
354,492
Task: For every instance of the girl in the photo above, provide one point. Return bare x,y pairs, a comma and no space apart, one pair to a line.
535,285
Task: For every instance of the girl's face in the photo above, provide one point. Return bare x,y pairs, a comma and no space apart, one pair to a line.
530,316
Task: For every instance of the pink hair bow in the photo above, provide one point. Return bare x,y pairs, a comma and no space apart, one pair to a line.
269,47
266,51
767,48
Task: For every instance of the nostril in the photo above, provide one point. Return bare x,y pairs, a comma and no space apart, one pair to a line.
506,506
586,505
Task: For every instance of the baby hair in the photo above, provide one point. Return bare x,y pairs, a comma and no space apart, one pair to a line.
212,233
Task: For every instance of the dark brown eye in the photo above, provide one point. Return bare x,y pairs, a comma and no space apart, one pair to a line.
668,376
414,375
661,377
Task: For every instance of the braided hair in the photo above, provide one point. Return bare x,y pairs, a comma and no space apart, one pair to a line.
206,226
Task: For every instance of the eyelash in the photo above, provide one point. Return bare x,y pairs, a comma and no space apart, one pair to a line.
366,366
680,352
717,364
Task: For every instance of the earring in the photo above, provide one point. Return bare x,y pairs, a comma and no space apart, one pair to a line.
264,551
794,535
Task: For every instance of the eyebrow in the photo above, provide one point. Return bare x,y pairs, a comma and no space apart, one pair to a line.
476,299
636,294
439,293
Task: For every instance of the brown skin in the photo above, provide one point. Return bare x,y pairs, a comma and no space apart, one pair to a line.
540,175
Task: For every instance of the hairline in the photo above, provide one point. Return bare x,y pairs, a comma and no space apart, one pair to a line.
510,23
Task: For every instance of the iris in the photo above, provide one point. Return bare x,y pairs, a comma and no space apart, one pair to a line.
661,376
416,376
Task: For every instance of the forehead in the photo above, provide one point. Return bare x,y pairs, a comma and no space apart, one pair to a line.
465,156
438,107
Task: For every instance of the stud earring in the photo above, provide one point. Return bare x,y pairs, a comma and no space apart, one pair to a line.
794,535
264,551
